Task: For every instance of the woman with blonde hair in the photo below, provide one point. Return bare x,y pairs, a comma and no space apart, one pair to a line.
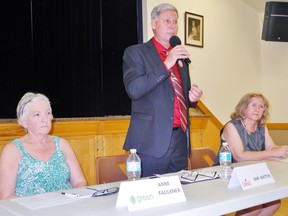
249,140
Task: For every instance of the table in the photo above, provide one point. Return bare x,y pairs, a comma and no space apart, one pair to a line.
203,198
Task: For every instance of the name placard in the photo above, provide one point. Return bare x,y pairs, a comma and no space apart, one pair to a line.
251,176
149,193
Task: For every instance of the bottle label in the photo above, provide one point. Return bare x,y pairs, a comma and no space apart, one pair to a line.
225,156
133,166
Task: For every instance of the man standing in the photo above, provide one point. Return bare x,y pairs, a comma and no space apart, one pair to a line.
157,80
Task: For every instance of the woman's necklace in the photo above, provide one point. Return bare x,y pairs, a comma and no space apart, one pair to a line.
246,128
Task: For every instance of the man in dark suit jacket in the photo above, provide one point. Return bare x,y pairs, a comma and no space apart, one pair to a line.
155,129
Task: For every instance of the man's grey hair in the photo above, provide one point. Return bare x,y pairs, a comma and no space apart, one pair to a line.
160,8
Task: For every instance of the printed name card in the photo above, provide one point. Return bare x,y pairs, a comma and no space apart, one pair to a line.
251,176
149,193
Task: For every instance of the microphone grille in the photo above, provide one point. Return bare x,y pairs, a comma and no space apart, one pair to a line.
174,41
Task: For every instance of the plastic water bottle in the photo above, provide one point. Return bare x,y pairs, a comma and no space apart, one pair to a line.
133,166
225,159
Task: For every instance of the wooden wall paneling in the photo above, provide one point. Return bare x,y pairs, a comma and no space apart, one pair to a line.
211,136
114,133
197,126
93,137
84,148
8,131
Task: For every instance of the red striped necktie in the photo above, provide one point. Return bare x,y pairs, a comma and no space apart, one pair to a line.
180,95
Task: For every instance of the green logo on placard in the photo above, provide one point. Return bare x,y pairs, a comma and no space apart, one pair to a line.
132,200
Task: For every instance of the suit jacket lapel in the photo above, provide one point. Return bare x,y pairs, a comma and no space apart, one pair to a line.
153,51
155,56
182,70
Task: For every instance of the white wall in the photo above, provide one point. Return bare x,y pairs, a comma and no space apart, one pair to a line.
275,78
234,59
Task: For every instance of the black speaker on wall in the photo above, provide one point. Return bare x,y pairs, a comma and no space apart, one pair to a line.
275,24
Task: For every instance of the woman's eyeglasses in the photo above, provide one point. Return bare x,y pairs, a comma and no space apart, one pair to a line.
104,192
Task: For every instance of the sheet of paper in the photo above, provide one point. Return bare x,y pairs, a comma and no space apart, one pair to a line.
43,200
84,192
53,198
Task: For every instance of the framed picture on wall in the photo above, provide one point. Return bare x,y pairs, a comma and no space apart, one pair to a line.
194,29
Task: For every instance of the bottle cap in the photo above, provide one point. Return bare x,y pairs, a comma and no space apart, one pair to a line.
132,150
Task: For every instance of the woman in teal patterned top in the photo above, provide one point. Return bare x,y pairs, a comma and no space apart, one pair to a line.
37,162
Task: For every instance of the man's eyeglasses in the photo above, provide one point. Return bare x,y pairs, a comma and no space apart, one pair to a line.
104,192
199,175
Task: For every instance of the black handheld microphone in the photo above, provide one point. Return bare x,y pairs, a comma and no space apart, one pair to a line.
174,41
